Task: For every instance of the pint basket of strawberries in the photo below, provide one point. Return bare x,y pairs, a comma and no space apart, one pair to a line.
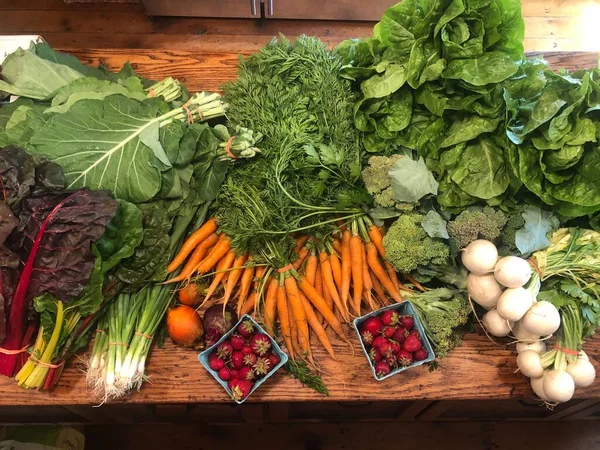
393,340
243,359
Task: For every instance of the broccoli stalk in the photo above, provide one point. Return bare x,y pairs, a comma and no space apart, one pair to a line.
444,313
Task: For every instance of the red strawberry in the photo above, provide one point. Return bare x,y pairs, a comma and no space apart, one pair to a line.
420,355
405,358
388,331
373,324
379,341
274,359
395,347
389,317
237,342
260,343
400,335
412,343
234,373
262,367
375,355
407,322
385,348
249,359
233,382
224,374
391,360
237,360
367,337
246,373
247,350
224,350
246,328
215,363
382,369
241,389
414,332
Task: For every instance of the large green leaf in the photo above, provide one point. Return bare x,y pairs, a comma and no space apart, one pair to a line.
107,144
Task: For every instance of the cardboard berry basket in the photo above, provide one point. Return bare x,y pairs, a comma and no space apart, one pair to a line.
203,357
404,308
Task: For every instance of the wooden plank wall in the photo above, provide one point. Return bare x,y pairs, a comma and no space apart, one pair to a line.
551,25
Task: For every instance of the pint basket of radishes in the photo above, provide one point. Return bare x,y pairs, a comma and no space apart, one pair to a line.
243,359
393,340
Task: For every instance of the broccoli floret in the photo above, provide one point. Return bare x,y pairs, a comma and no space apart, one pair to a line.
444,314
408,246
476,223
377,181
507,238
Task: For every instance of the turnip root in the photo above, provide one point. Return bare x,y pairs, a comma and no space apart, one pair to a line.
530,364
514,303
558,386
496,325
583,355
542,319
480,256
536,346
582,371
512,271
520,333
537,384
484,290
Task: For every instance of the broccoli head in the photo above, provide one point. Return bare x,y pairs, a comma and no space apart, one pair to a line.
408,246
444,314
378,184
476,223
514,223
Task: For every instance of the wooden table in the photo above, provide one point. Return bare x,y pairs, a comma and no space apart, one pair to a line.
478,370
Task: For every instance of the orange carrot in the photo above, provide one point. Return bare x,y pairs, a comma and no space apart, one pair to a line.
356,255
346,267
380,272
270,306
377,239
310,270
248,304
294,328
222,269
329,284
199,252
219,250
336,270
293,296
188,269
368,285
337,245
378,290
300,241
415,283
319,303
392,274
316,326
302,254
284,319
326,294
209,227
234,276
245,284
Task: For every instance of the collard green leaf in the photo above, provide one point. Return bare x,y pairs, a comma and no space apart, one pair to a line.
411,180
99,145
534,235
435,225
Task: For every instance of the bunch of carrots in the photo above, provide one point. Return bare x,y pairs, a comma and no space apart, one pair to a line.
331,280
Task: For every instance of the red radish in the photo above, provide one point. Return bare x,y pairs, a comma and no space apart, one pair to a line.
412,344
407,322
224,374
390,317
274,359
224,350
420,355
250,359
215,363
382,369
405,358
241,390
184,326
375,355
237,360
262,366
246,373
237,342
374,325
400,335
246,328
260,343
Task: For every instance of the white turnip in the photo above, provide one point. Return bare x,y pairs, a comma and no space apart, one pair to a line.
512,271
558,386
496,325
520,333
542,318
536,346
582,371
480,256
530,364
514,303
537,384
484,290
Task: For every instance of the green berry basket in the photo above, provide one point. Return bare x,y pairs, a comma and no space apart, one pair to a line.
404,308
203,357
